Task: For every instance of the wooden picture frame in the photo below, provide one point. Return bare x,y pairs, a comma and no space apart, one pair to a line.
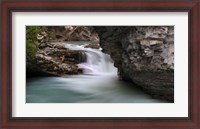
9,6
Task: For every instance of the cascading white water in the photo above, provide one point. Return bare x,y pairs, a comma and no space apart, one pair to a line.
97,63
100,86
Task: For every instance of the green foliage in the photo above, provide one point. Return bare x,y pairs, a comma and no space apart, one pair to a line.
31,32
31,47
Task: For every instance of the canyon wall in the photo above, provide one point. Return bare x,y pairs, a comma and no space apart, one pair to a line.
143,55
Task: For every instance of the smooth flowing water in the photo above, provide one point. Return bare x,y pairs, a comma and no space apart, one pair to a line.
98,84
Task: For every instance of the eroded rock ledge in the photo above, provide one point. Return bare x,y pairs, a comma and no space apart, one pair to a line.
52,58
143,55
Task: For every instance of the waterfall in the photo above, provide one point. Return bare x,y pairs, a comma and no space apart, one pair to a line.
98,84
97,63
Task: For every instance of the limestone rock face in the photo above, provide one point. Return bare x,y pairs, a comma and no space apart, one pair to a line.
143,55
71,33
56,60
52,57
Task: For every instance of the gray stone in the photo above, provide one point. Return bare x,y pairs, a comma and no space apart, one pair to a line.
145,56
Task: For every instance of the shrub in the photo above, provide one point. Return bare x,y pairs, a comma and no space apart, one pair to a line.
31,39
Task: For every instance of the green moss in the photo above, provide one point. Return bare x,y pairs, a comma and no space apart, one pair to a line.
31,32
31,39
31,49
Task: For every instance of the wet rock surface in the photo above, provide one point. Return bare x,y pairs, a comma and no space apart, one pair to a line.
52,58
56,61
93,46
143,55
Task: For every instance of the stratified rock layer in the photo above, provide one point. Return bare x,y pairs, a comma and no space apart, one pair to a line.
55,60
143,55
52,58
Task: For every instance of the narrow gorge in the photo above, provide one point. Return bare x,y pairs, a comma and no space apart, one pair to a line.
102,64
